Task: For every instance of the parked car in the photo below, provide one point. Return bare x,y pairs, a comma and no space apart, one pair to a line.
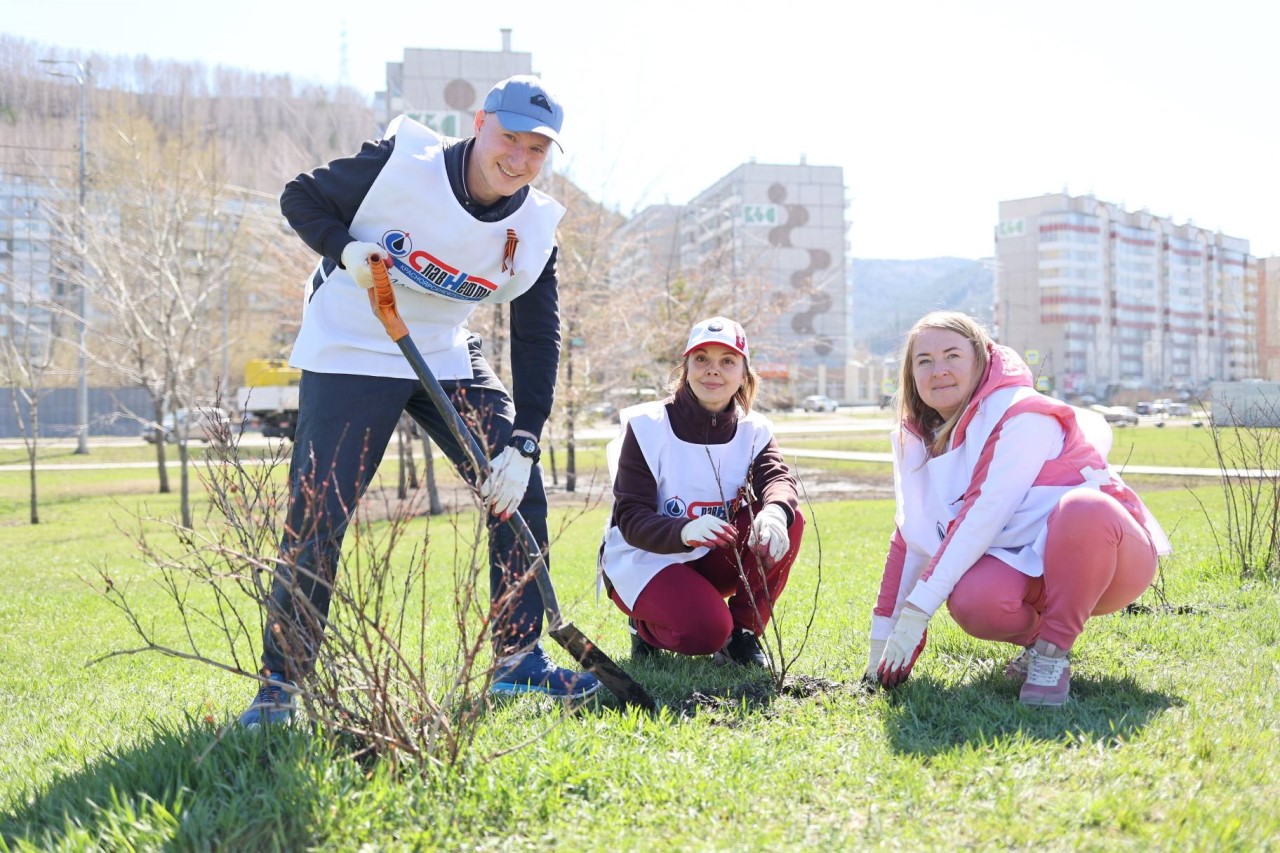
605,411
1178,410
819,403
1143,407
204,424
1117,415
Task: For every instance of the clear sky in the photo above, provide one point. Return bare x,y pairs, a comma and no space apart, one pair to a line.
936,110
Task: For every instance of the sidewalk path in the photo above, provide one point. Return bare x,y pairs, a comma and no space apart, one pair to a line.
796,453
1160,470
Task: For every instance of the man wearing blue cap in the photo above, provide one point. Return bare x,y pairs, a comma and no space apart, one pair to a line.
462,227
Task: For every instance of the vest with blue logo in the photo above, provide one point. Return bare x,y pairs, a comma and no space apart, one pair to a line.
692,479
446,263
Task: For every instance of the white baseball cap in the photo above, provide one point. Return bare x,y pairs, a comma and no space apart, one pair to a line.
718,330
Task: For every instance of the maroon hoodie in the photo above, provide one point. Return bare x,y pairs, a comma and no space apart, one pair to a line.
635,491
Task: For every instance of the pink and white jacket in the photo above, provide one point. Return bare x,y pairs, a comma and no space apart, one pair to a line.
1011,458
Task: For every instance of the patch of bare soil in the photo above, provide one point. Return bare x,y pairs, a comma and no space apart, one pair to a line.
758,694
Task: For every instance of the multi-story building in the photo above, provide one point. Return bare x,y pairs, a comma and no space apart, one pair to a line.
444,88
772,239
27,281
1269,318
1098,298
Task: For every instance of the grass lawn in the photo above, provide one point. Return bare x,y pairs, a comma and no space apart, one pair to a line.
1171,742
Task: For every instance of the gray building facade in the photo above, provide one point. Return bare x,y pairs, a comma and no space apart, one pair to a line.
1099,299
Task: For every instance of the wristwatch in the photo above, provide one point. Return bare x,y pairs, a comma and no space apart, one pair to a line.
526,447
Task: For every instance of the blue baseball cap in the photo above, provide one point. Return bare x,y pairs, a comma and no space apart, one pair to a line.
523,104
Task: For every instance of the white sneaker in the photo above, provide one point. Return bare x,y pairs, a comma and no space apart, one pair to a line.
1048,681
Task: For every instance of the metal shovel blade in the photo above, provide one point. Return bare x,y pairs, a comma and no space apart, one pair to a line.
596,662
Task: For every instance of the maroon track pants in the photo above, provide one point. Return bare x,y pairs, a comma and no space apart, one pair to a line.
683,609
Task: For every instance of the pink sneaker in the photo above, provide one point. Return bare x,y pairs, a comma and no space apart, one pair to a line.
1048,681
1016,669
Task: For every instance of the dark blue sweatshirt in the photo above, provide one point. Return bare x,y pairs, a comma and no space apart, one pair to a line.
321,204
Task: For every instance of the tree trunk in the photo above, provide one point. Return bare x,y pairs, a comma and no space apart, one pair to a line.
31,457
160,439
570,462
429,468
402,485
184,477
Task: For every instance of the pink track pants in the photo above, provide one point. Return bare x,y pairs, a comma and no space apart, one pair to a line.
1098,559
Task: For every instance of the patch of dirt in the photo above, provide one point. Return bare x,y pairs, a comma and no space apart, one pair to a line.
756,695
808,686
1161,610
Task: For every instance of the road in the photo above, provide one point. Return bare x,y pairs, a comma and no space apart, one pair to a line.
866,419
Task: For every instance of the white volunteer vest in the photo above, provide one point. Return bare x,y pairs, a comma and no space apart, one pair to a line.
693,480
446,262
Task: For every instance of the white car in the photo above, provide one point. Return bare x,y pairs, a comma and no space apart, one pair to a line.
819,403
205,424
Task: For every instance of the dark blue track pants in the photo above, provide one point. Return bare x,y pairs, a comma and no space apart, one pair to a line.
344,425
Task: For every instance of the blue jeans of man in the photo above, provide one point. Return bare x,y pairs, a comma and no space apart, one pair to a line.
344,425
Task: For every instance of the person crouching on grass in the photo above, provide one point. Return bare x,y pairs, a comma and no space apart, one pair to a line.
705,509
1006,510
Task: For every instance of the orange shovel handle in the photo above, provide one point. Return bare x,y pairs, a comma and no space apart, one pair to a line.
383,299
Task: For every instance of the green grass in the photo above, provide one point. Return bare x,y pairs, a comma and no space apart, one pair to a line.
1171,743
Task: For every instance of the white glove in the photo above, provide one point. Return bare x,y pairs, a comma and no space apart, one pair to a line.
505,486
873,660
355,258
903,646
709,530
769,534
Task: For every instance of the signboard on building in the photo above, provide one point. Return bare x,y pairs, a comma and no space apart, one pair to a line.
1011,228
445,122
760,214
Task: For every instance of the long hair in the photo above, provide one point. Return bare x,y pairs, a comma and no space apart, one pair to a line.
744,397
935,428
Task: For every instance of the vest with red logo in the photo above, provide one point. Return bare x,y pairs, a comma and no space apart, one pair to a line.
446,263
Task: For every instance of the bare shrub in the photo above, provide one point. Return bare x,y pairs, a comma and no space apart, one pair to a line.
383,680
1248,456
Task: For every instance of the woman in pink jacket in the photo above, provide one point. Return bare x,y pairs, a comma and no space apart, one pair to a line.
1006,511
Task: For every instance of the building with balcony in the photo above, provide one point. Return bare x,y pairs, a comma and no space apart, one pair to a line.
1099,299
769,240
1269,318
443,88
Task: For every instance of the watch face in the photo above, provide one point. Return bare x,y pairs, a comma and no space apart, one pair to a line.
525,445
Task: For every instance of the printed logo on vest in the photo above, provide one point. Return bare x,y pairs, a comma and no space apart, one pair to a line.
697,509
674,507
423,271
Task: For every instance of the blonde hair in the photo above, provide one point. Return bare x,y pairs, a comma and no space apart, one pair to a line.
910,407
744,396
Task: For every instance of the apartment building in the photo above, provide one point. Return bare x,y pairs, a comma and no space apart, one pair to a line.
1099,299
1269,318
443,88
770,239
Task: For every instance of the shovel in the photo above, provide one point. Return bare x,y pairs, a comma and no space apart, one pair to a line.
585,652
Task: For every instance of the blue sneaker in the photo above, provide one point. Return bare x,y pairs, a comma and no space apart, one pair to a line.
274,704
535,673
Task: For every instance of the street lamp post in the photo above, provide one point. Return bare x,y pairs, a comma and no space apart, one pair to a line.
81,76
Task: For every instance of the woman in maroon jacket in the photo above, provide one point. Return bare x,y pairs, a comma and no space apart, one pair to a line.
705,509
